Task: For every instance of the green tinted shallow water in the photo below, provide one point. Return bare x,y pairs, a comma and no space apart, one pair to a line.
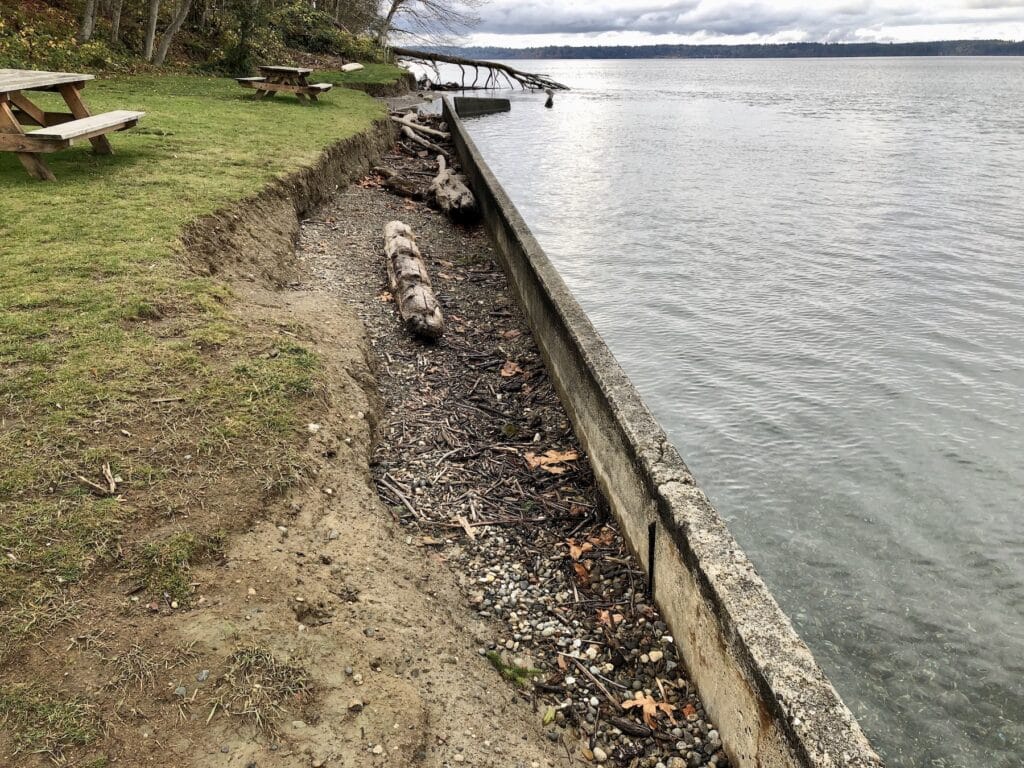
813,270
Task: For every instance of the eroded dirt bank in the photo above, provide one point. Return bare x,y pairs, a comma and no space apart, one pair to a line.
367,617
314,635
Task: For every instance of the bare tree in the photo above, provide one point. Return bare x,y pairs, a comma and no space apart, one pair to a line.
184,6
154,17
428,19
88,24
115,20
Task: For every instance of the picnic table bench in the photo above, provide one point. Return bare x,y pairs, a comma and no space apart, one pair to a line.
285,80
57,130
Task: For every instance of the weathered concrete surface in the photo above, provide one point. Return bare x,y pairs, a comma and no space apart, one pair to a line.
472,107
773,704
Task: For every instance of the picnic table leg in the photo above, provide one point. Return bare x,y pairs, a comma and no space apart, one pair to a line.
34,113
32,162
100,145
305,98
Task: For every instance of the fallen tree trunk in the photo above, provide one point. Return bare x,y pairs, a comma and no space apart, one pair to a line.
451,194
410,283
495,70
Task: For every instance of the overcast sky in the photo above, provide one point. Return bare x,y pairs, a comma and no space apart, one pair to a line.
521,23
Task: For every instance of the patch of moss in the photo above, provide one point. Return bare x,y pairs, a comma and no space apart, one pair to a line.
518,676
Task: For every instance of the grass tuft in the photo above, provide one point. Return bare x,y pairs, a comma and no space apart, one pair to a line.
257,687
167,564
43,722
520,677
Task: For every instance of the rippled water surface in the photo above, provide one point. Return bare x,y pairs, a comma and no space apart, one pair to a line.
812,270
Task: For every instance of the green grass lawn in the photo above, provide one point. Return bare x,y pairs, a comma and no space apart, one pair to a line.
375,74
100,317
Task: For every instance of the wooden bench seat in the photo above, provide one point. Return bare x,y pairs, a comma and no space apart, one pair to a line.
321,87
251,79
87,127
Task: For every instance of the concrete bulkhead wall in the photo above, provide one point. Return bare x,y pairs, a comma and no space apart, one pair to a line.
770,700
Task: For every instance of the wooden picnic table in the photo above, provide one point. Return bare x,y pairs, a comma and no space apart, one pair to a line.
56,130
277,79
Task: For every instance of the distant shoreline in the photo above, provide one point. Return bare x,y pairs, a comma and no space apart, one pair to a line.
778,51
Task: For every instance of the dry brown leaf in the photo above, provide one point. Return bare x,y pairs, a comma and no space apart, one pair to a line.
551,460
510,369
562,663
605,538
650,708
513,334
385,296
582,574
576,551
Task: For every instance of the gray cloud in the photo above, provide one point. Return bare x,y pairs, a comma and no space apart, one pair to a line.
826,20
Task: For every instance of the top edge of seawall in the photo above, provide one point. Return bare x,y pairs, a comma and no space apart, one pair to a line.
773,704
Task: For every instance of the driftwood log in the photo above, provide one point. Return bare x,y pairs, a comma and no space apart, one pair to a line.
450,193
398,184
409,121
410,283
414,137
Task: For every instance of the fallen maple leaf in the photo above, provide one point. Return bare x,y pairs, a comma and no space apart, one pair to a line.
385,296
551,460
576,551
510,369
650,707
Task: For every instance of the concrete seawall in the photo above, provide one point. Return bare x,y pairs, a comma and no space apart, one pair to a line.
770,700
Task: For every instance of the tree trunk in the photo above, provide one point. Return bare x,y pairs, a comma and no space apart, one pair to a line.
172,30
395,5
88,22
410,283
450,193
115,21
154,16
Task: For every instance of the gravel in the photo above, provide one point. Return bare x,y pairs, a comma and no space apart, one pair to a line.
463,462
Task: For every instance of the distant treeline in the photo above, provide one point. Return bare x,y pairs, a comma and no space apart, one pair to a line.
779,51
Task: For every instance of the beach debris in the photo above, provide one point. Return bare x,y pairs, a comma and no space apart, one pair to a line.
410,283
451,194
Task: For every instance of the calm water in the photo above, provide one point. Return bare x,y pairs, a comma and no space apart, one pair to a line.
812,270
